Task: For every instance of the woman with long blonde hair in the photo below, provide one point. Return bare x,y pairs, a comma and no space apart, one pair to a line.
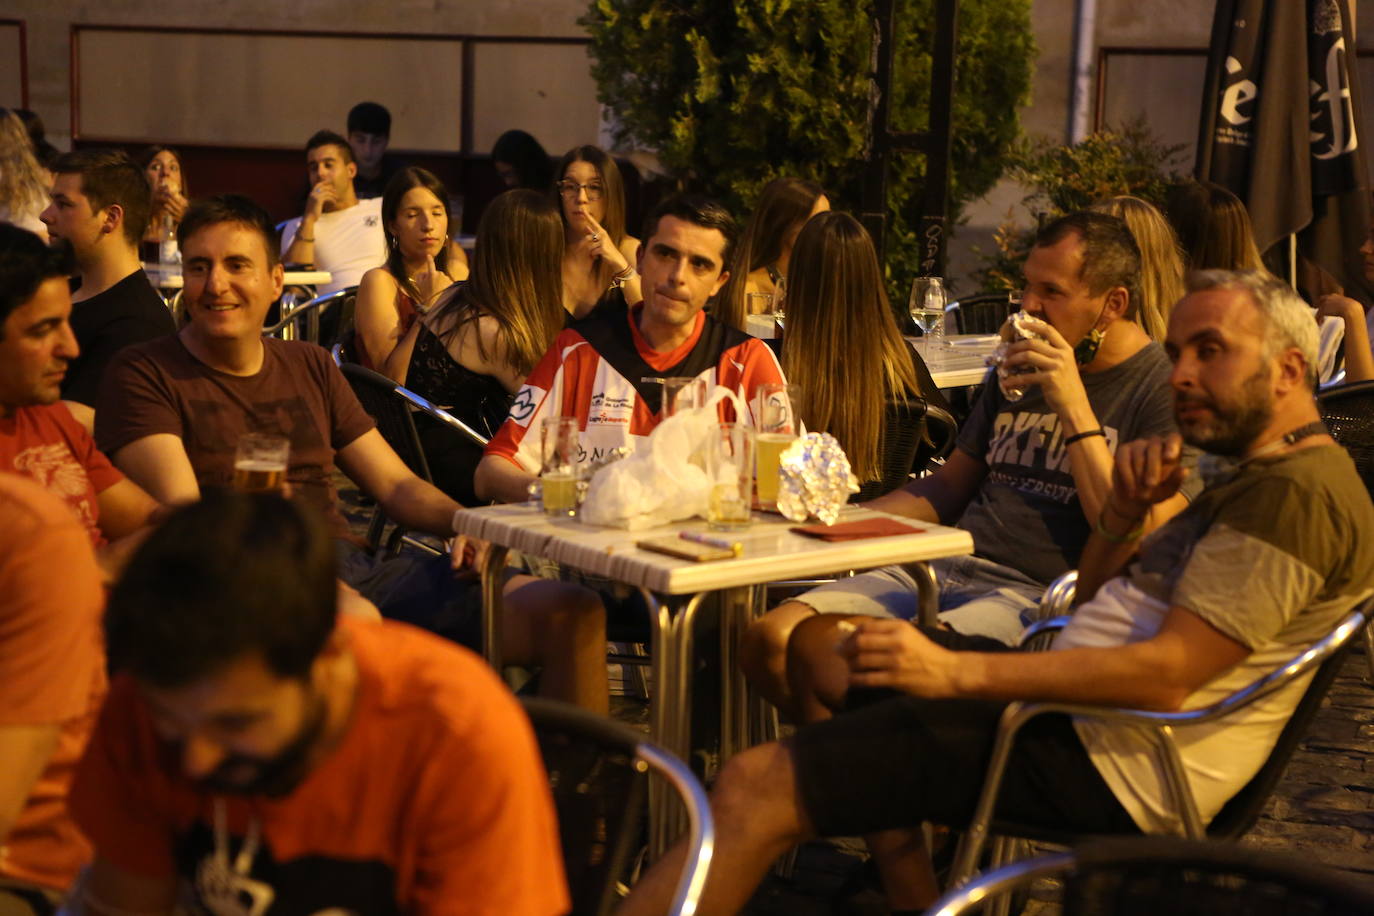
1161,261
842,347
23,188
472,351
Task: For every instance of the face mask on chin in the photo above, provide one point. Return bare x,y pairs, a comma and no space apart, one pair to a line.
1086,350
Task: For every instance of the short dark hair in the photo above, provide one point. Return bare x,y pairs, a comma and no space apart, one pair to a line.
1111,257
230,208
370,118
329,138
110,176
25,263
227,577
704,212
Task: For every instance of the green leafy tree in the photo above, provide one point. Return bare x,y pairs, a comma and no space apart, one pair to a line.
734,93
1061,179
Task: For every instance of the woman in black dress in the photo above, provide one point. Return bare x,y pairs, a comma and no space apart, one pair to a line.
471,352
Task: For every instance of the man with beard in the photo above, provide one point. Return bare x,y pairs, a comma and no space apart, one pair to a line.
1268,557
260,754
100,206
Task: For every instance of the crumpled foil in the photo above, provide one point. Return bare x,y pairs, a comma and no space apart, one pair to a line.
815,479
1013,329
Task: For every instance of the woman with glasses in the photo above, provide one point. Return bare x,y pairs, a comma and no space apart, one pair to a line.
598,257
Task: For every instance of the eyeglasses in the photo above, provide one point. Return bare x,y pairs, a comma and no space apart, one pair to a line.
570,189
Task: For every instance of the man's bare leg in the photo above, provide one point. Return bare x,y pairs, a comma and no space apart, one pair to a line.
763,653
819,681
561,627
758,817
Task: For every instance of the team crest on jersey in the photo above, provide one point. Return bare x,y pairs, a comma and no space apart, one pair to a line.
525,403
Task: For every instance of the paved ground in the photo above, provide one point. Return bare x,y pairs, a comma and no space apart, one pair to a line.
1323,810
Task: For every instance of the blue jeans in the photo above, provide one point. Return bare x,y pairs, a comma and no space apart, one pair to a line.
977,597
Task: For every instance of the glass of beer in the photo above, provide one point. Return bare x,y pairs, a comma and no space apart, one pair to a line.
260,463
729,468
778,426
683,393
558,480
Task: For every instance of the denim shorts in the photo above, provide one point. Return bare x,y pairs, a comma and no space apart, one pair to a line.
977,596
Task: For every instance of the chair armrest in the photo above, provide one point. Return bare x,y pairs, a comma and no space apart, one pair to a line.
1059,595
425,406
1160,731
1042,628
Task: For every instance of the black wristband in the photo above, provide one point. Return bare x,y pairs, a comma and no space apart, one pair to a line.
1084,435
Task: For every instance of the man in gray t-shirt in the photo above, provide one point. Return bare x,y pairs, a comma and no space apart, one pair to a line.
1029,477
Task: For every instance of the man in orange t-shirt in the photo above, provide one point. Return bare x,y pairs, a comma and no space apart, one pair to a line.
52,676
259,756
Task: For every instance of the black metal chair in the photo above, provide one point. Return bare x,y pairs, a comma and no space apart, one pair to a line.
393,407
1149,875
1238,815
980,314
916,433
598,771
322,320
1348,411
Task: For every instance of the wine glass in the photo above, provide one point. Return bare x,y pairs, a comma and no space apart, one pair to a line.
927,307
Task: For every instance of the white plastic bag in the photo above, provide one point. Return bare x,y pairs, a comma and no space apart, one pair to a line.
663,479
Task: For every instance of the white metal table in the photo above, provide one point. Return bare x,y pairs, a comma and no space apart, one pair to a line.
960,361
675,589
171,278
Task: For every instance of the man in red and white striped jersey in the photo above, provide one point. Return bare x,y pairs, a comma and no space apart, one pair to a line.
608,370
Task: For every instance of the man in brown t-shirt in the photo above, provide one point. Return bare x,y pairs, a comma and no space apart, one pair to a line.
172,411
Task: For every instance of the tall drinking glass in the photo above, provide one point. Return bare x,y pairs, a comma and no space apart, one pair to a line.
730,469
558,478
780,302
778,426
760,303
927,307
683,393
260,463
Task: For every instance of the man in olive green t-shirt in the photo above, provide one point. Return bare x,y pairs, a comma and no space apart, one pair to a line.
1273,552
